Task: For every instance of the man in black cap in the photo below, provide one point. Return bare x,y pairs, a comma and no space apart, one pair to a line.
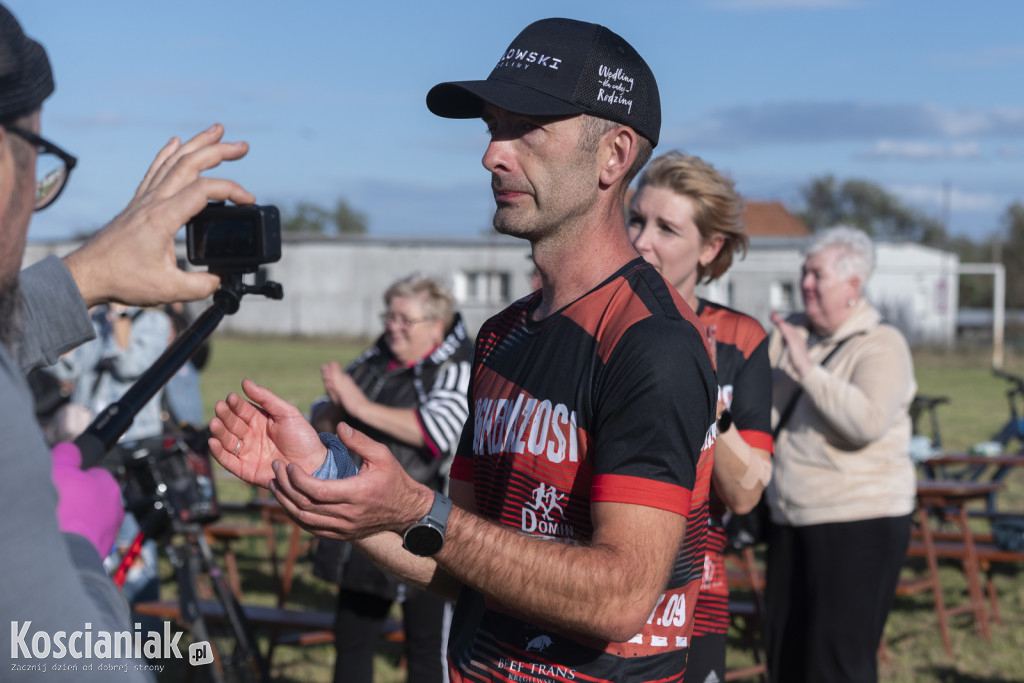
592,400
56,521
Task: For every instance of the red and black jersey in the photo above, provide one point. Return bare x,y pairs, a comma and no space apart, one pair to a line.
745,384
610,399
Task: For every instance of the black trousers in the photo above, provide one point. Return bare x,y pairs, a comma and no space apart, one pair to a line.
706,659
829,591
359,619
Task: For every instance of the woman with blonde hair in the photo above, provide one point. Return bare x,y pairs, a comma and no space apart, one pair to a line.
685,220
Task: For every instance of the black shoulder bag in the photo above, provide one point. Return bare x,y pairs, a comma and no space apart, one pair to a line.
751,528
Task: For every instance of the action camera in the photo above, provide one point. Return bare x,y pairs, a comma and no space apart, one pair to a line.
230,238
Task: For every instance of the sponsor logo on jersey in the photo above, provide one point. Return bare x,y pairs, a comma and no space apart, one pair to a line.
526,426
545,515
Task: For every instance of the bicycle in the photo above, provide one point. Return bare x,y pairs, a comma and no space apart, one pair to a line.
1012,430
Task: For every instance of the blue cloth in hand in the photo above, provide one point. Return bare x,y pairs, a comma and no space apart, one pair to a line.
338,464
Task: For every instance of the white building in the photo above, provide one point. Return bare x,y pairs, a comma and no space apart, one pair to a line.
334,286
914,287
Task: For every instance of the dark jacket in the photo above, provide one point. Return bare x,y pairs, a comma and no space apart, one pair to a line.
436,387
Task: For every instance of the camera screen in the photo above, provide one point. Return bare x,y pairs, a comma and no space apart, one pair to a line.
226,238
234,238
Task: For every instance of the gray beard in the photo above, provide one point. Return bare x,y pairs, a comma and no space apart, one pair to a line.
10,316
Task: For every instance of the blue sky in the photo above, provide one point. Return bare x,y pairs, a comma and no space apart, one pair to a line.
924,98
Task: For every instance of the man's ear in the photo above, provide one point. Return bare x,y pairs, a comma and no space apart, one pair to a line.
620,147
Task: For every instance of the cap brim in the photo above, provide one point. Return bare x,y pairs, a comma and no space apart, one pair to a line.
465,100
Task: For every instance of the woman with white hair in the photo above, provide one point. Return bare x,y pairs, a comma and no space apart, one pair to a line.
843,488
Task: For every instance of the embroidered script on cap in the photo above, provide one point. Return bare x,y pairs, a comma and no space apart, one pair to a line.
613,86
618,83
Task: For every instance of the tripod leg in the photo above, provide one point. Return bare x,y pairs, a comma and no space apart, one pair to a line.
250,664
186,560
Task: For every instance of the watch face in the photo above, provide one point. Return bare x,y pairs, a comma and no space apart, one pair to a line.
423,540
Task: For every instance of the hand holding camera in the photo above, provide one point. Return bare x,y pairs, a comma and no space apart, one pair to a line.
131,260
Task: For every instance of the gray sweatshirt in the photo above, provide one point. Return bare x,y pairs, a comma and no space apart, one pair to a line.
50,582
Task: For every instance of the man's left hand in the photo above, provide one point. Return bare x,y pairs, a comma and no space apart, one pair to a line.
382,497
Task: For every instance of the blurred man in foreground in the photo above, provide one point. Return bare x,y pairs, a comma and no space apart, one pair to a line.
56,521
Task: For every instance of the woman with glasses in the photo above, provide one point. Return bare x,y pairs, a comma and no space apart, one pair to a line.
844,486
407,391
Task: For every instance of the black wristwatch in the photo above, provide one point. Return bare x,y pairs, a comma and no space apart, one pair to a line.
724,421
426,537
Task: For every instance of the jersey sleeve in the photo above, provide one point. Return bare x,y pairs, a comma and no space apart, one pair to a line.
655,408
752,399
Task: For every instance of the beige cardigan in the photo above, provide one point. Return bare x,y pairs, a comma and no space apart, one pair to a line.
843,455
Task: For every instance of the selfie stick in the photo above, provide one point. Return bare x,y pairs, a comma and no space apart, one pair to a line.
116,418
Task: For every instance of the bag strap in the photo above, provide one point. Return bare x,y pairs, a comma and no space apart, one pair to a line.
788,410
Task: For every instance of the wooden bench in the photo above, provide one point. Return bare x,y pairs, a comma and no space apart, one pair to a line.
947,499
747,616
986,552
221,535
300,627
258,615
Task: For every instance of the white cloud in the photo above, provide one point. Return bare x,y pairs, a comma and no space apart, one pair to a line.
821,122
958,200
1009,153
912,150
746,5
988,57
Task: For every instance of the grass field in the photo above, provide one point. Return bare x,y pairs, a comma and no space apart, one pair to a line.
977,408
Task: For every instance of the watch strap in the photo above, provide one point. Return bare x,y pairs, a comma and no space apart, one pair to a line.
440,510
724,422
426,537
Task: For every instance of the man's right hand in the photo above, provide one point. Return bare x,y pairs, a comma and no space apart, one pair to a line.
247,439
132,259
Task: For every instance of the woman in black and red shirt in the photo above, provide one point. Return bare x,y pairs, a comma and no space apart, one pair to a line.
685,219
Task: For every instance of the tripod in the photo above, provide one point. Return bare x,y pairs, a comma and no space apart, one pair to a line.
170,495
169,516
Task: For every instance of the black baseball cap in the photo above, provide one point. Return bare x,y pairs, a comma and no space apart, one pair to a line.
25,76
562,67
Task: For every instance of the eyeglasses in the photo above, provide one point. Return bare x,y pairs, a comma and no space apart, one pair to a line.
400,320
53,166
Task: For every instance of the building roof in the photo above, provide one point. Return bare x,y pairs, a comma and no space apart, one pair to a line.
771,219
